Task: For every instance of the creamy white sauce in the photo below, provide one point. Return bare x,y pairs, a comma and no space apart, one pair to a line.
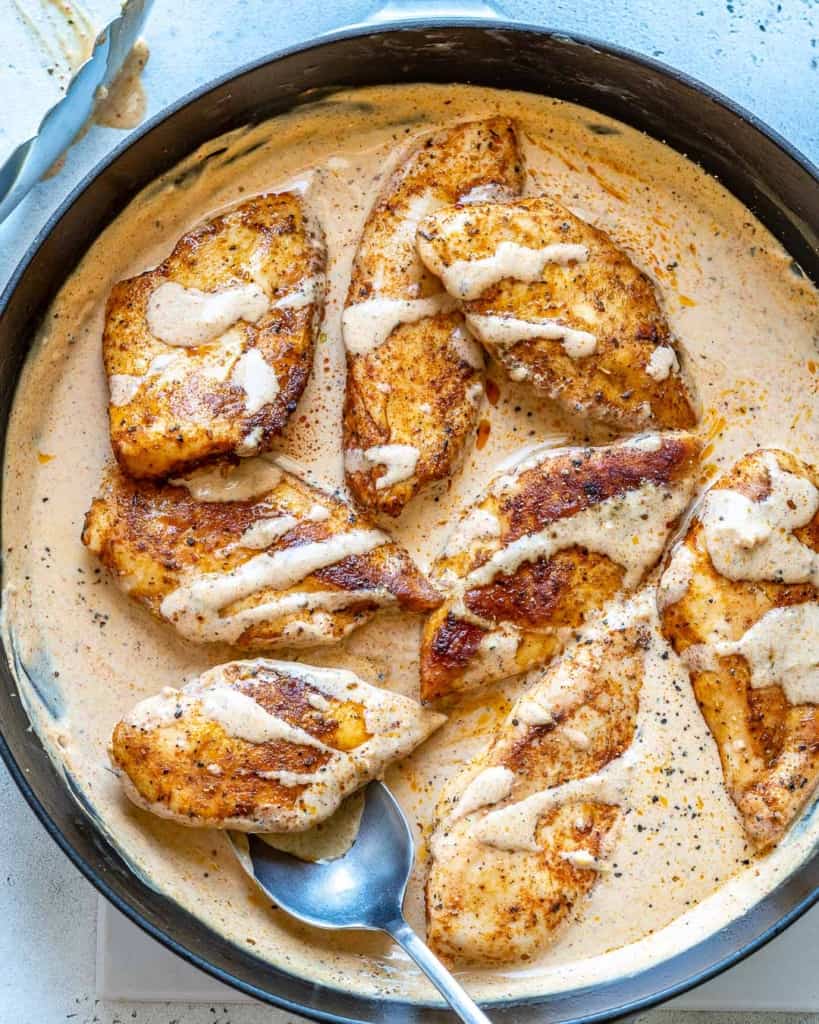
628,528
503,332
584,859
250,443
753,324
754,540
124,387
577,737
262,533
238,714
366,325
254,375
467,349
513,827
418,207
469,279
195,607
489,786
249,479
521,460
480,523
490,193
190,317
306,293
399,460
663,362
782,649
496,655
677,577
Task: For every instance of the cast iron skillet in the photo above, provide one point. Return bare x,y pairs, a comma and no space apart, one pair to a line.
773,180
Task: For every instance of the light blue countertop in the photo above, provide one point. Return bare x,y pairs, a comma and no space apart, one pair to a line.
762,54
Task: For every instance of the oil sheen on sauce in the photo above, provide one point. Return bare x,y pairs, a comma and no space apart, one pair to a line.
679,868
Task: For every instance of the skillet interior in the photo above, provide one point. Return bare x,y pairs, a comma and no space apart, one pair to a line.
760,170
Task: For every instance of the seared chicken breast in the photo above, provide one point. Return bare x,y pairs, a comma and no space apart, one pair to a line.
558,304
262,746
414,373
208,353
550,542
250,555
523,832
739,601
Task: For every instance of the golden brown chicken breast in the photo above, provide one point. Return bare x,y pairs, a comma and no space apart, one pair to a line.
250,555
549,543
262,746
523,832
208,353
559,305
414,373
739,601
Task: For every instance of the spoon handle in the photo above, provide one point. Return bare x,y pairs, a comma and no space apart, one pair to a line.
440,977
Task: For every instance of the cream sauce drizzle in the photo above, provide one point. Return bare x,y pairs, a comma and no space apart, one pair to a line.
195,607
367,325
124,387
306,293
513,827
249,445
662,363
489,193
254,375
479,524
189,317
251,478
505,331
677,577
417,208
628,528
753,540
489,786
237,713
262,533
469,279
467,349
782,649
584,859
399,460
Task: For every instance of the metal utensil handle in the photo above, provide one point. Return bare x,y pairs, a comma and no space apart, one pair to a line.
455,995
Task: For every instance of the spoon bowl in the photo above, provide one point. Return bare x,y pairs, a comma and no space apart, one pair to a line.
362,889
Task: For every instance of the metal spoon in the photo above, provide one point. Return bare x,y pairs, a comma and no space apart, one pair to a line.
363,889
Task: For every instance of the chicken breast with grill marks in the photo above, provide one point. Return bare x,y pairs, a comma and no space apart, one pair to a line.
262,746
208,353
250,555
739,601
549,543
559,305
414,373
523,832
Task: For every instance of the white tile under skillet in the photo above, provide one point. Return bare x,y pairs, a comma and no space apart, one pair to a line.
783,976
